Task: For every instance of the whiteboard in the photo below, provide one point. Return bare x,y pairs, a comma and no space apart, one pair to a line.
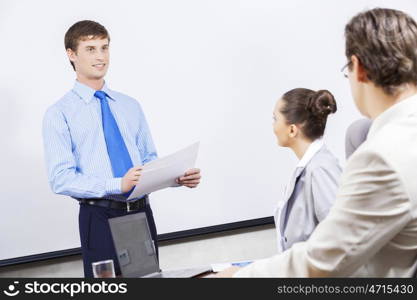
207,71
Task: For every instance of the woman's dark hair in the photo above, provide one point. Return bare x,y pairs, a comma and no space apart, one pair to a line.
309,109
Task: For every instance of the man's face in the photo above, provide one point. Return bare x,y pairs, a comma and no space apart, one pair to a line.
91,59
280,126
358,85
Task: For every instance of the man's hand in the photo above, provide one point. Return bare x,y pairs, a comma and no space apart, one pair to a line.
190,179
229,272
131,178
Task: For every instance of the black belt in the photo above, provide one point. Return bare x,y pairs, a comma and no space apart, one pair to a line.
128,206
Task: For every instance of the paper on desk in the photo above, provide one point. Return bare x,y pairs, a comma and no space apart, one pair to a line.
223,266
162,173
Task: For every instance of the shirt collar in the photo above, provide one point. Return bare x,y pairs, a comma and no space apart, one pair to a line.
311,151
400,110
87,93
109,92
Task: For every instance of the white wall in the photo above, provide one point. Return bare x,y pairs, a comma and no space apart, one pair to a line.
202,70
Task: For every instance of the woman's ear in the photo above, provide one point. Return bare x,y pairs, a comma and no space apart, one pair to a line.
293,131
358,70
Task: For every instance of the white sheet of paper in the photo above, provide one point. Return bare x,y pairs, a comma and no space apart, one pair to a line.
223,266
161,173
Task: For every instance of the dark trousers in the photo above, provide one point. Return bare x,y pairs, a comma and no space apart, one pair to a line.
96,239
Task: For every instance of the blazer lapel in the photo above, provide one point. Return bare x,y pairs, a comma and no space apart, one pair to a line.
288,192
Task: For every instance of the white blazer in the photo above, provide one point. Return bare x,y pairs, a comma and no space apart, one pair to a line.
371,230
308,196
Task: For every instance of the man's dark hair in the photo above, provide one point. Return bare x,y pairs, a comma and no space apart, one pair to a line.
385,43
309,109
83,30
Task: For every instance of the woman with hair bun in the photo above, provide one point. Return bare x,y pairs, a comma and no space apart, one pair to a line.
299,122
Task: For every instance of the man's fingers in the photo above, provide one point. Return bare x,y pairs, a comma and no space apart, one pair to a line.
190,182
191,185
190,177
134,171
192,172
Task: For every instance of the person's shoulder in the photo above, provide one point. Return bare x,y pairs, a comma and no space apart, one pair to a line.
391,147
394,138
323,160
359,128
388,157
130,103
394,143
59,106
123,97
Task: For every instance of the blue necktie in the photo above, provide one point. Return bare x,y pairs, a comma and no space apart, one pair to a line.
116,148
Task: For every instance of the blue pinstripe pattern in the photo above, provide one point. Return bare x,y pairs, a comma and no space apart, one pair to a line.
75,150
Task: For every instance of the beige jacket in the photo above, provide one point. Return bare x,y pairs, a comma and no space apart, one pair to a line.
371,231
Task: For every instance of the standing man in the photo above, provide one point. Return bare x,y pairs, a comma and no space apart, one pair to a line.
96,141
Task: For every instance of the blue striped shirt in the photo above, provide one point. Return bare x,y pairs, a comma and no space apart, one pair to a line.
75,150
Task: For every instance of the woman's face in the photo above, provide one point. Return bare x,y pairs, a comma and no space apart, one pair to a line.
281,129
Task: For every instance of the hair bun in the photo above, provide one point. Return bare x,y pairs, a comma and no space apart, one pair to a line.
322,103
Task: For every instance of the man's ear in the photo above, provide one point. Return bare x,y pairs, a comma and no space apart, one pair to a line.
358,70
293,131
71,54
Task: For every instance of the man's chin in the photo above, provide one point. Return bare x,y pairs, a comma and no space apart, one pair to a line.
97,76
